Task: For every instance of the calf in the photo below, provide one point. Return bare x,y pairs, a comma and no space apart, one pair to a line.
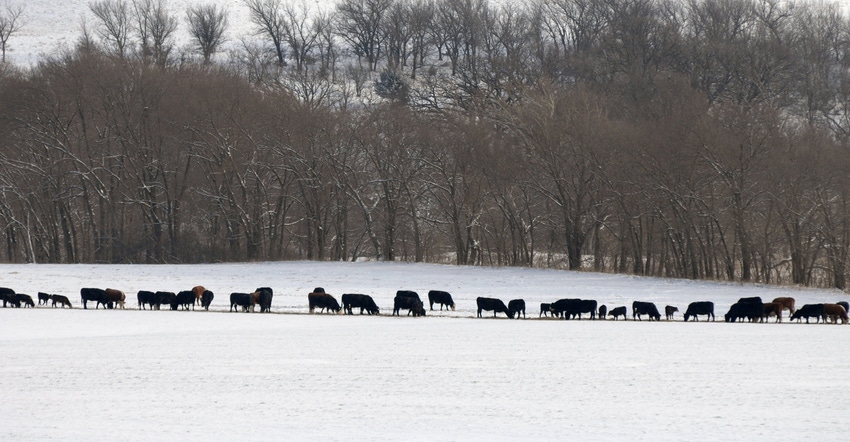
61,300
603,312
355,300
413,305
669,311
516,306
323,301
496,305
545,309
771,309
807,311
243,300
645,308
617,311
206,299
43,298
700,308
835,312
442,298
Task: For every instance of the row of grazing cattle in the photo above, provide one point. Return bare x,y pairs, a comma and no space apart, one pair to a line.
752,309
404,300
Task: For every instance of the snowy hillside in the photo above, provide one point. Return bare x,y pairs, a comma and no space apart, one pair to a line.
50,25
146,375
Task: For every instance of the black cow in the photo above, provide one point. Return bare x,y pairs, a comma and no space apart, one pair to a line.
184,299
96,295
364,302
442,298
7,295
700,308
164,298
545,309
603,312
570,308
844,304
43,298
617,311
408,294
561,307
586,306
669,311
807,311
265,298
243,300
645,308
749,308
206,299
61,300
516,306
146,297
323,301
24,300
496,305
413,305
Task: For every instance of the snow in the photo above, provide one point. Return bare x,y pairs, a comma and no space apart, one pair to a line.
175,375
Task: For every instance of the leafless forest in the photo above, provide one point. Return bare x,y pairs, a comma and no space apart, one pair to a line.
702,139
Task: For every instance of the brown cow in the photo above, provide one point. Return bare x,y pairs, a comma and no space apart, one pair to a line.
61,300
255,299
786,303
116,296
835,312
772,309
199,293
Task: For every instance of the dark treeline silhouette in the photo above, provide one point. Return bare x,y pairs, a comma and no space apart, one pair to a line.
701,139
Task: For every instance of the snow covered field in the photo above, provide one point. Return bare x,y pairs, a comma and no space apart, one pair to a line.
174,375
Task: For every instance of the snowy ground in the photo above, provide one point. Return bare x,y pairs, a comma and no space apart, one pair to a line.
142,375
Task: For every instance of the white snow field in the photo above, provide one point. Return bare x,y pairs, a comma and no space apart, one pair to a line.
109,375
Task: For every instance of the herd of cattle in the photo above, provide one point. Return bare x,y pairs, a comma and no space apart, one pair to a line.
749,309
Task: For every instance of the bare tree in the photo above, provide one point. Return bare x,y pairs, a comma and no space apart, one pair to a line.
268,17
155,26
9,24
421,19
114,24
359,23
207,24
302,30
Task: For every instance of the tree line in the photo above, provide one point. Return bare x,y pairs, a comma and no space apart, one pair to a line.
700,139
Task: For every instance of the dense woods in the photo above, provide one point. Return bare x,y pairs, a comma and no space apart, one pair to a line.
701,139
